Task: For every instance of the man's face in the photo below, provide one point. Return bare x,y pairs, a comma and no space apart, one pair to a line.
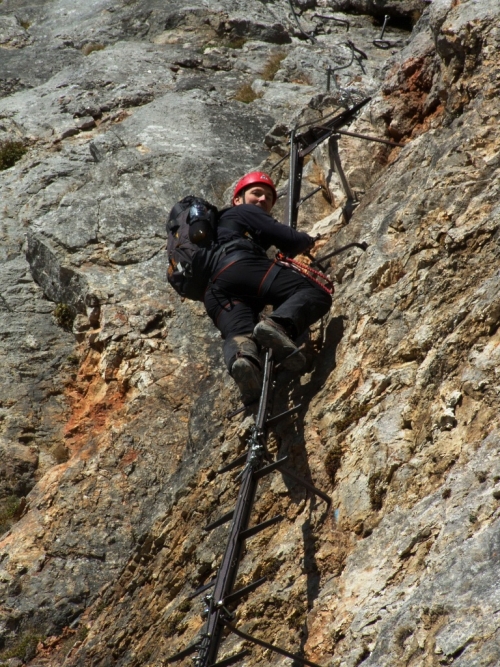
259,195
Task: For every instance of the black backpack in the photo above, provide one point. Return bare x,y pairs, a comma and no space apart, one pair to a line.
191,246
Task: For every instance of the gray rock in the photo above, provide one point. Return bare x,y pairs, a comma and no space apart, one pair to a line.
456,576
12,33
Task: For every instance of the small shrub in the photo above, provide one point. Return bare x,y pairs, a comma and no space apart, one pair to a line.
415,16
8,509
268,569
358,412
377,490
64,316
10,152
185,606
272,66
402,634
60,453
297,617
332,462
173,622
87,49
246,94
99,608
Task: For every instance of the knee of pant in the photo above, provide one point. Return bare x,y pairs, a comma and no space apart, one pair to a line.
235,321
321,305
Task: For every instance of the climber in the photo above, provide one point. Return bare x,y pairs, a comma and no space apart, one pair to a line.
245,280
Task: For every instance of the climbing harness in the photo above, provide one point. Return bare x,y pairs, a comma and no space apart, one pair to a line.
306,270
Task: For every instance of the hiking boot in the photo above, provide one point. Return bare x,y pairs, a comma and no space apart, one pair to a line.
271,334
248,378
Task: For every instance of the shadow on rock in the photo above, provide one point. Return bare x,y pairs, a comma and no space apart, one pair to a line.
293,444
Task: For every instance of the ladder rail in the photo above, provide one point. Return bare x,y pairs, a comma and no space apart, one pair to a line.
228,570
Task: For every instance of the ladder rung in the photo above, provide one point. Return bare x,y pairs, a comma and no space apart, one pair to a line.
238,411
250,532
233,464
272,647
223,519
282,415
241,592
201,589
269,468
307,485
183,654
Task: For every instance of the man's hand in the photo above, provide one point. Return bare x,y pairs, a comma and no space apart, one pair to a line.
307,253
315,239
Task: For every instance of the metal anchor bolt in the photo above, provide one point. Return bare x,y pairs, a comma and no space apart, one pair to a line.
386,18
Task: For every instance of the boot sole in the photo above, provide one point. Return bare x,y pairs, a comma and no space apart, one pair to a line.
268,337
249,380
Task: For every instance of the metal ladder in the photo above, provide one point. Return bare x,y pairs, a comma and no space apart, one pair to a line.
257,463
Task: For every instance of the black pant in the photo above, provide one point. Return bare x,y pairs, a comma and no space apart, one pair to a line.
242,290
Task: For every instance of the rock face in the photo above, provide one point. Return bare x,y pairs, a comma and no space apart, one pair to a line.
113,396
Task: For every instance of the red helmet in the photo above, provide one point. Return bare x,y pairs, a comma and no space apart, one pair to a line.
255,178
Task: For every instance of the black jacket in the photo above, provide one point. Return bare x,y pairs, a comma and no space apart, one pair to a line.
265,231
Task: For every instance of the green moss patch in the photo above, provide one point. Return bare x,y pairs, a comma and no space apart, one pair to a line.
8,509
24,648
333,461
235,43
64,316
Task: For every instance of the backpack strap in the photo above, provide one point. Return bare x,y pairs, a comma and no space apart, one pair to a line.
233,226
244,244
240,229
